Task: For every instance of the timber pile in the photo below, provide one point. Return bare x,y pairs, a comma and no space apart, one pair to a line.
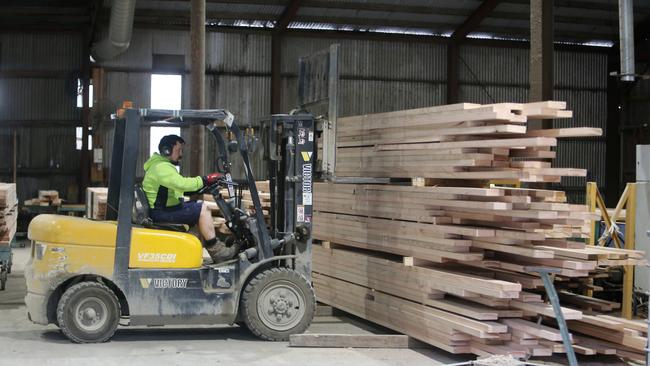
96,201
453,258
8,212
459,141
45,198
263,191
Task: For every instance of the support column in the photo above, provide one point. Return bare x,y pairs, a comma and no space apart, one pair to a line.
453,47
626,36
276,73
453,59
613,175
197,84
84,161
541,55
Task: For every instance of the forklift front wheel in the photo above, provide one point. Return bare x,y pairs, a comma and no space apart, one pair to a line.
88,312
278,302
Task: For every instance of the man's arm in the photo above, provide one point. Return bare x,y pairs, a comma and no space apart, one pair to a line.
168,176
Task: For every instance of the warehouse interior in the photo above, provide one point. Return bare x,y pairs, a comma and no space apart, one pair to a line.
71,69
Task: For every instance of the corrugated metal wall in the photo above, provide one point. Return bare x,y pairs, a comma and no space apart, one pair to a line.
238,79
376,76
635,119
45,94
581,81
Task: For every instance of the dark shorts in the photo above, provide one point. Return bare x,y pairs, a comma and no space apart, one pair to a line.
186,213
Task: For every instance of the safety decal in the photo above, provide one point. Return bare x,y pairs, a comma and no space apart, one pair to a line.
306,156
300,213
306,199
302,136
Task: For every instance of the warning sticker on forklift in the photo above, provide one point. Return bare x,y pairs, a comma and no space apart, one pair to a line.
306,199
300,213
302,135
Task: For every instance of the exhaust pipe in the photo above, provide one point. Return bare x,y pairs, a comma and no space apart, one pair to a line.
626,33
119,32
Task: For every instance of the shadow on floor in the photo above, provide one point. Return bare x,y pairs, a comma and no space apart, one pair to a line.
161,334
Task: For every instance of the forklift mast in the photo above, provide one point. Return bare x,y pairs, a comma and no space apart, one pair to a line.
291,156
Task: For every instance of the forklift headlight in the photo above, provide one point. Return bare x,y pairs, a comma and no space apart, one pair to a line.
39,251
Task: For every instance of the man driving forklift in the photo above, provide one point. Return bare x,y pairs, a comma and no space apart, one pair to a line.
165,188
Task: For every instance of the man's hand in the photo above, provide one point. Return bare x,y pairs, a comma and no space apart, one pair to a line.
211,179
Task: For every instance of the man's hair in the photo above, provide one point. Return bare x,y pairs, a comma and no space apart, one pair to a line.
167,144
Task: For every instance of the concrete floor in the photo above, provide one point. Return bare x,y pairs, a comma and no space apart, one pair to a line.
24,343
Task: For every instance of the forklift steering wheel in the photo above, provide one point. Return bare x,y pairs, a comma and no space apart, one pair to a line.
210,188
216,185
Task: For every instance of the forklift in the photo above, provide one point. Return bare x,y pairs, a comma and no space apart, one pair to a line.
87,277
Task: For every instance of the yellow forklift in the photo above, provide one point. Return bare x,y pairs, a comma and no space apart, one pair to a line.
89,276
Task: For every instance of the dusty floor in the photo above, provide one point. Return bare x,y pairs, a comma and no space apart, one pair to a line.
23,343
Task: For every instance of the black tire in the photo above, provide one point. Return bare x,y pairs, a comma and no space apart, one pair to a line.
98,303
277,303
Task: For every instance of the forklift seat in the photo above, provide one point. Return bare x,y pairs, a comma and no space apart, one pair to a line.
141,216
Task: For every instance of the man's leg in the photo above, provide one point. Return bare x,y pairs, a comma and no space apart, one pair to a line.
216,248
206,225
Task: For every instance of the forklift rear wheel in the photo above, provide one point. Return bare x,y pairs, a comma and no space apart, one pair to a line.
88,312
278,302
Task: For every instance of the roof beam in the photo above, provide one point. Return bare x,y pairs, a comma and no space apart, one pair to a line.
165,17
288,15
370,6
475,19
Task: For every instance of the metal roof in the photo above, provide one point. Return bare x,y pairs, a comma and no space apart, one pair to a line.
578,21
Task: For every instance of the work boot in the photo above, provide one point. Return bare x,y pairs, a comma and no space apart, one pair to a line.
219,252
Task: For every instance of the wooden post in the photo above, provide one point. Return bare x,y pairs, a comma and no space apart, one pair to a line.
197,84
592,188
453,59
453,47
630,229
85,160
541,56
591,205
287,16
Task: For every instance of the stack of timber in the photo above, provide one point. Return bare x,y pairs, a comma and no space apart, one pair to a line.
45,198
264,193
448,262
459,141
96,201
8,212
